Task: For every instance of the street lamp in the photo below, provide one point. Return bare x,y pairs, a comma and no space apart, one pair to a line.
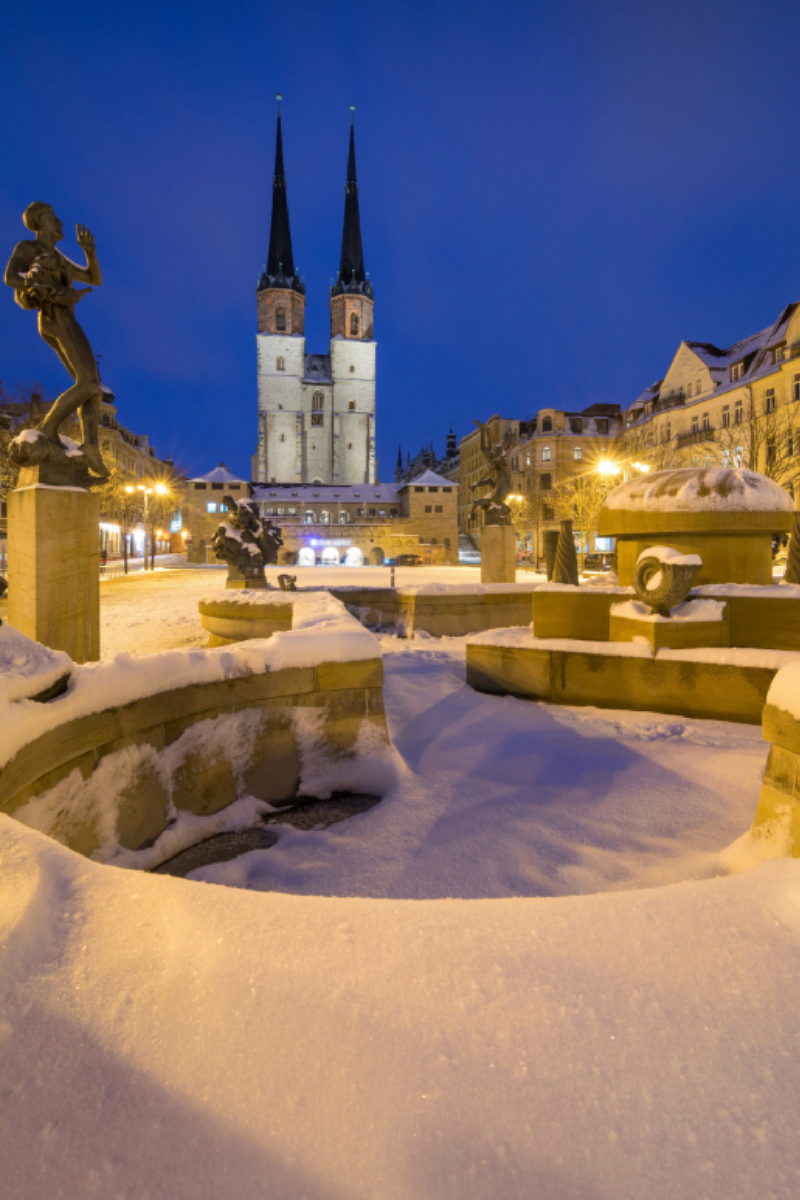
147,491
607,466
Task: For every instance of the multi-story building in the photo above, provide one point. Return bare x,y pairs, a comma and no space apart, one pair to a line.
316,412
738,406
332,524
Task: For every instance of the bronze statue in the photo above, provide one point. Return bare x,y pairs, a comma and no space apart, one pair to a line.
494,507
42,278
247,543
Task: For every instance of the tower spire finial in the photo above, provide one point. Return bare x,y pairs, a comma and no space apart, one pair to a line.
280,237
351,265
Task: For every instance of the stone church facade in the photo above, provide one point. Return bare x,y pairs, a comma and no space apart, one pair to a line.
316,412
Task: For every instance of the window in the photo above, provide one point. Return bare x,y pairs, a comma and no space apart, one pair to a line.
317,401
440,508
790,445
737,371
737,413
211,508
344,518
217,487
726,416
349,445
577,454
428,508
352,369
547,512
372,512
352,406
667,431
706,421
547,424
317,419
325,517
393,512
434,489
419,489
698,389
576,424
777,352
739,456
280,319
283,437
308,518
770,452
602,425
280,365
528,457
545,454
359,512
201,487
726,458
353,325
770,400
796,391
695,425
688,391
545,483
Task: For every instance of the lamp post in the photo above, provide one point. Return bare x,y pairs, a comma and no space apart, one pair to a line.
126,502
146,491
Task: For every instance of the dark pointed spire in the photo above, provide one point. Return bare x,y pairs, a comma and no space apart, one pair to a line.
399,456
280,259
351,266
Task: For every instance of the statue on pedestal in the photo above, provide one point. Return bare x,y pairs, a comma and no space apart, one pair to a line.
247,543
494,507
42,278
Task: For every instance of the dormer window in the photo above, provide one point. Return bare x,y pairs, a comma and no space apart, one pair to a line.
353,324
737,371
280,319
547,424
280,364
778,352
576,424
602,425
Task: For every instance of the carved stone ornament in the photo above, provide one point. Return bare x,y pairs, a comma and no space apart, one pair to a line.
60,463
664,578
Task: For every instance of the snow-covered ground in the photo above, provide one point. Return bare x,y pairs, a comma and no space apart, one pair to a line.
488,986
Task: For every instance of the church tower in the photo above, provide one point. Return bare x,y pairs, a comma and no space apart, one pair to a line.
316,412
353,343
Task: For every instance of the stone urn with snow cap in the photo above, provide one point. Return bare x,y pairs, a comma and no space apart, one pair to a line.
664,577
726,516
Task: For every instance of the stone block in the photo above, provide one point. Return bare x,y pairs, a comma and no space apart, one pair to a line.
780,728
498,554
274,773
672,634
768,622
54,568
85,764
141,806
71,740
727,557
204,782
362,673
581,613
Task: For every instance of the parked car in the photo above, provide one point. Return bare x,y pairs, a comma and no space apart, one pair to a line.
408,560
598,562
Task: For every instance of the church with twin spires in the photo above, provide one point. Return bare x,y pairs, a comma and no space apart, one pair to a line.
316,412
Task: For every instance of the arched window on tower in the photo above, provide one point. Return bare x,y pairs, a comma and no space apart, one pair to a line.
353,324
280,365
317,401
547,424
280,319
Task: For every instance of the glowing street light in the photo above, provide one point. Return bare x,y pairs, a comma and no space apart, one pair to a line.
607,467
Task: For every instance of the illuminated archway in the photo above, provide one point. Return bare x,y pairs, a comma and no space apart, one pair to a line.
330,557
306,557
354,557
376,556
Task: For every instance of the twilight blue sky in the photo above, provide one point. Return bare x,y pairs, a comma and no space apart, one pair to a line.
552,194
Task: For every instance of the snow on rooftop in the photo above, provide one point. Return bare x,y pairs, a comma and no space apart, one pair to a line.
386,493
430,479
714,489
220,474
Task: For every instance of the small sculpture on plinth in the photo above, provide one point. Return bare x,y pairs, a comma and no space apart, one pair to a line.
247,543
287,583
565,567
664,577
42,279
494,508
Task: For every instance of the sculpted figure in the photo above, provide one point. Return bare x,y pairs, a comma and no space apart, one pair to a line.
494,506
42,278
247,542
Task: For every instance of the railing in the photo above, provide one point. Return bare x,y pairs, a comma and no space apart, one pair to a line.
697,435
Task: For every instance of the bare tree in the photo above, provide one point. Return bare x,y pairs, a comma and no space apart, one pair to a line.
580,498
766,440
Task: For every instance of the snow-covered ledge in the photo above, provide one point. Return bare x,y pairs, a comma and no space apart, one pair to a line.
132,743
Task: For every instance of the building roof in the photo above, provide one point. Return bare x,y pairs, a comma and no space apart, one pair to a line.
220,474
317,369
350,493
429,479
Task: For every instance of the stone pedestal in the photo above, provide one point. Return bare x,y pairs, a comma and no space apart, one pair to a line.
498,554
54,568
